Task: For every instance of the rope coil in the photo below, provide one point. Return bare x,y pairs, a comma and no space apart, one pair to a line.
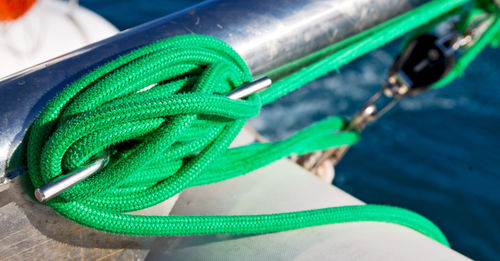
154,129
163,138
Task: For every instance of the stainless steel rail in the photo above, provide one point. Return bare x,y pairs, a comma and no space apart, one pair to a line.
267,34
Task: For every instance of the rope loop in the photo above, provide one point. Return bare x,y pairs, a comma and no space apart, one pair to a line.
160,109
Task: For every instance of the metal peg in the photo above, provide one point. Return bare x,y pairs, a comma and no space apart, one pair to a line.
50,190
251,88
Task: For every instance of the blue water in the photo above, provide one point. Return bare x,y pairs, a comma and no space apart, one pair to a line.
437,153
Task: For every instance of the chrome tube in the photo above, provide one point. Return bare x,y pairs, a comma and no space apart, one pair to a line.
267,34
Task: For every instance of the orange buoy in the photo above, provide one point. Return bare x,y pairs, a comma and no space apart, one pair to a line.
13,9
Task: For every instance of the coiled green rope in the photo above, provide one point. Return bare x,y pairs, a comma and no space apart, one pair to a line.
176,135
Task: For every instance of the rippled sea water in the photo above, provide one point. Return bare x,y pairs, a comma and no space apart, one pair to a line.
437,153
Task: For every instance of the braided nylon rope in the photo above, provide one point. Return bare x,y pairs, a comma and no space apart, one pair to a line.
176,135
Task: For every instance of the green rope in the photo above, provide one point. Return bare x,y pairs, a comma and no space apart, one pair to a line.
176,135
